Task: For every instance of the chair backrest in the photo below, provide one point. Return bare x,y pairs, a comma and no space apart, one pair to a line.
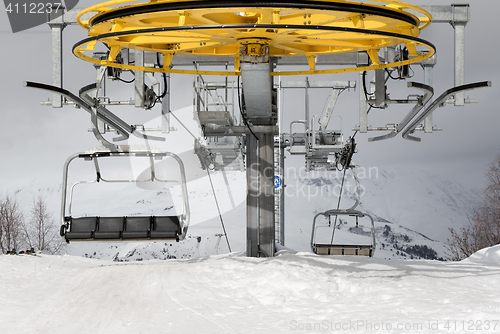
110,224
166,223
83,224
138,224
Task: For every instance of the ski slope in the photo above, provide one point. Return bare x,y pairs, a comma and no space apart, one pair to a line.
293,292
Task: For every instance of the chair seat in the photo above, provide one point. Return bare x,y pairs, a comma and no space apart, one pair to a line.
344,250
123,228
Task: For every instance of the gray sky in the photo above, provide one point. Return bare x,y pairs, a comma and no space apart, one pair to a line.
36,140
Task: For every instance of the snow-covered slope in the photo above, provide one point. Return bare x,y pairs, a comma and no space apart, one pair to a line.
234,294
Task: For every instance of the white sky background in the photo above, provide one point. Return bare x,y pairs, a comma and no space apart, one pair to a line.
36,140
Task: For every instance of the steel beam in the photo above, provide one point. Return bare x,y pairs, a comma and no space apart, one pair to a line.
57,58
165,107
428,67
459,61
458,15
266,195
57,25
380,89
253,186
449,14
257,85
279,191
318,84
139,80
354,59
363,107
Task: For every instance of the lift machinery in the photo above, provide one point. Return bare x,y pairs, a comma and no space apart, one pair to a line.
256,42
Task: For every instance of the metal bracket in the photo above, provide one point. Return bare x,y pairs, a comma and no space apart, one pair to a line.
440,102
422,101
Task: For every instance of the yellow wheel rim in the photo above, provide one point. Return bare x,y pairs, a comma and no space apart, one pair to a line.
288,28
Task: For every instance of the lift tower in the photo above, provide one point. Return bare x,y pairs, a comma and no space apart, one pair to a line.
320,36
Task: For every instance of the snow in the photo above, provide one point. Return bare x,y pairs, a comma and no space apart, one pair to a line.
486,255
293,292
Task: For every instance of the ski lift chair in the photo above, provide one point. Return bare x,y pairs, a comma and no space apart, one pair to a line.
342,249
123,228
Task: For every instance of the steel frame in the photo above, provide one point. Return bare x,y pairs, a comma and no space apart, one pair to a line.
126,151
260,134
346,212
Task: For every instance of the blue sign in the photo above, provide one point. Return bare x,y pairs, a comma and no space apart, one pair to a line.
277,182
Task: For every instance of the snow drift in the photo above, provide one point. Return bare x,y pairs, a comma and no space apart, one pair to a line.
233,294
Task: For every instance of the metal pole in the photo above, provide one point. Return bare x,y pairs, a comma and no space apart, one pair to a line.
459,61
139,80
57,68
266,195
307,104
252,158
165,108
363,107
429,80
281,191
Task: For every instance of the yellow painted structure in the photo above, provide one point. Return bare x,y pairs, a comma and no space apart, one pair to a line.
287,28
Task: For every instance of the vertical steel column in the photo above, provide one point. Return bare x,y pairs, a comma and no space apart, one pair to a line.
255,67
266,195
252,158
363,107
460,18
280,193
260,196
57,27
429,80
165,108
306,90
458,15
139,80
380,89
459,61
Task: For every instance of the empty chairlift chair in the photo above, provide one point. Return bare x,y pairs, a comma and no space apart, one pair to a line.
97,228
354,241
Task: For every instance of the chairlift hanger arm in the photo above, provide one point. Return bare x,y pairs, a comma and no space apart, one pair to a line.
438,102
87,103
422,101
104,112
95,126
78,101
